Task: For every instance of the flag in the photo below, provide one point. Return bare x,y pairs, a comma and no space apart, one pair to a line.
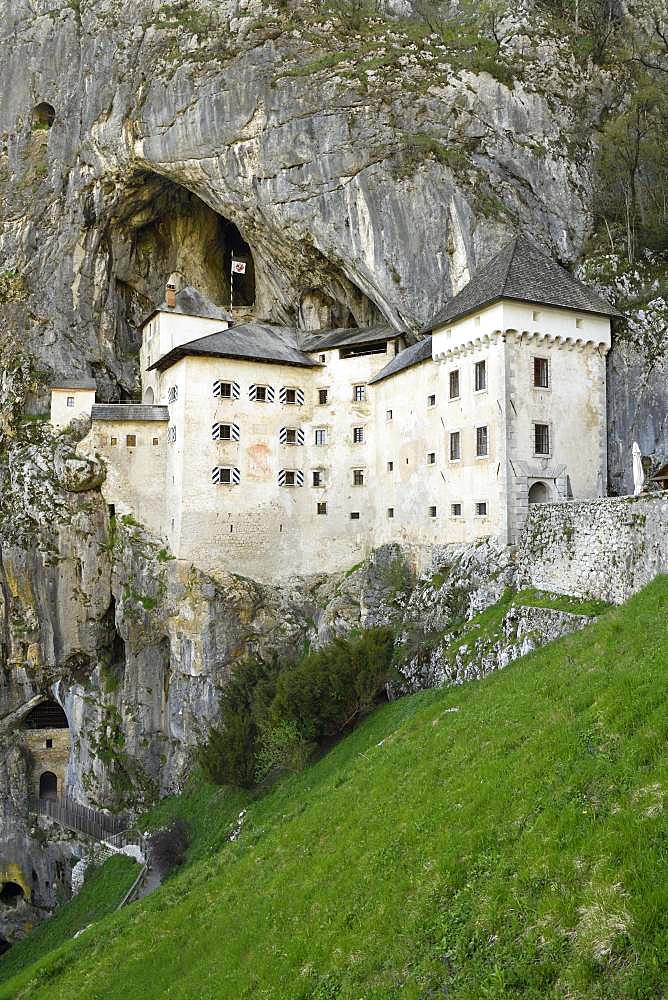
238,267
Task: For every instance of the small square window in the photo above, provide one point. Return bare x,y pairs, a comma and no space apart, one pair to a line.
388,414
480,376
481,508
290,435
113,440
431,458
578,323
321,508
455,446
431,400
318,477
226,390
453,385
358,435
320,435
541,439
131,440
156,441
390,466
541,373
481,442
323,395
260,394
70,400
49,744
358,477
455,509
390,511
290,395
354,515
432,512
535,315
225,432
226,476
290,478
321,358
359,393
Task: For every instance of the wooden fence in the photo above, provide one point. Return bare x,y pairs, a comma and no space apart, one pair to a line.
81,819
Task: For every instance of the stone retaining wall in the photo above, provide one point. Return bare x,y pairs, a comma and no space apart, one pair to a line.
607,548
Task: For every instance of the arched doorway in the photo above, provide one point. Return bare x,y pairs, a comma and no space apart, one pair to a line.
539,493
149,398
10,894
48,785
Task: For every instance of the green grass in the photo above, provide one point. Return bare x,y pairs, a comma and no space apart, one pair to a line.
560,602
103,889
502,839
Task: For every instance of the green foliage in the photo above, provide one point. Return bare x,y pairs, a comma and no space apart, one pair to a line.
281,747
103,889
13,286
501,839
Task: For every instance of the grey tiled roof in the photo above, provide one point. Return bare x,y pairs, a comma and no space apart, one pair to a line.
82,382
191,302
324,340
251,342
526,273
412,355
129,411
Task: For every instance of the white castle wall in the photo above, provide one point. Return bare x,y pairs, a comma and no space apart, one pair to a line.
62,413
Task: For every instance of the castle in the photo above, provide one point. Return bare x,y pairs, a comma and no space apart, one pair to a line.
269,451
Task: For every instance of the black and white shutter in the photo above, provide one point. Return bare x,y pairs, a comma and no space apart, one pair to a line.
283,435
299,477
252,392
171,434
217,432
299,395
218,388
172,393
217,476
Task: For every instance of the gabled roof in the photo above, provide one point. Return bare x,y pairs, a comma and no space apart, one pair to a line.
412,355
325,340
129,411
191,302
523,272
249,342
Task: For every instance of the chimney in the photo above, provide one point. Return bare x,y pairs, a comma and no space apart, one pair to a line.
170,295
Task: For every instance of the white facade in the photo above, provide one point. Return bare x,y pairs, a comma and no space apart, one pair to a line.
69,401
508,409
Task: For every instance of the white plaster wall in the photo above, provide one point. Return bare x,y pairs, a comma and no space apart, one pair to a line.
62,414
161,334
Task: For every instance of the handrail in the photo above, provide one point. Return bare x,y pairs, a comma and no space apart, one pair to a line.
129,895
81,819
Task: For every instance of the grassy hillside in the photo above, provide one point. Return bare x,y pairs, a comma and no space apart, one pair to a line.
507,838
103,890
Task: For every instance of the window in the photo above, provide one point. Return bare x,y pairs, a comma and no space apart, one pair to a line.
318,477
323,396
358,477
156,441
390,466
388,414
320,435
359,393
455,510
480,376
535,315
481,441
291,477
431,400
226,390
290,396
225,432
131,440
113,440
455,446
225,476
431,458
481,508
260,394
541,373
171,434
354,515
358,435
290,435
541,439
49,744
70,400
173,393
321,508
293,397
578,323
321,358
432,512
390,511
454,384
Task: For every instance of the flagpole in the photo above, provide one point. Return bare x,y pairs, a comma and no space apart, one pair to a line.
231,283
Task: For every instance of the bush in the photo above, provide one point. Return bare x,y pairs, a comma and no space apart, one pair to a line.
168,846
273,716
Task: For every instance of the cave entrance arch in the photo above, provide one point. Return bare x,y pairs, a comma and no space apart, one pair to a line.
11,894
43,115
47,715
48,785
539,493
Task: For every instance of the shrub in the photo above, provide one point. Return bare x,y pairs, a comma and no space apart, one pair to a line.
281,748
168,846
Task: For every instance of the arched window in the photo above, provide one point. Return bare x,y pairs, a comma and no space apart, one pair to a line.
539,493
48,785
43,115
11,893
149,398
48,715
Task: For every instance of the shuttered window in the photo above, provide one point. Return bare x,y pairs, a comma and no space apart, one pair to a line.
291,396
226,390
225,475
291,435
261,393
225,432
291,477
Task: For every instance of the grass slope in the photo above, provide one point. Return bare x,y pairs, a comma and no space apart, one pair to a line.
102,891
506,838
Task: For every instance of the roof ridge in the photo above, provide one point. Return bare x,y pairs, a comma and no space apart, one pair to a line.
511,258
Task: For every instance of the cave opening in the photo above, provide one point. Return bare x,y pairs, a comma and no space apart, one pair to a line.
11,893
43,115
47,715
4,945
